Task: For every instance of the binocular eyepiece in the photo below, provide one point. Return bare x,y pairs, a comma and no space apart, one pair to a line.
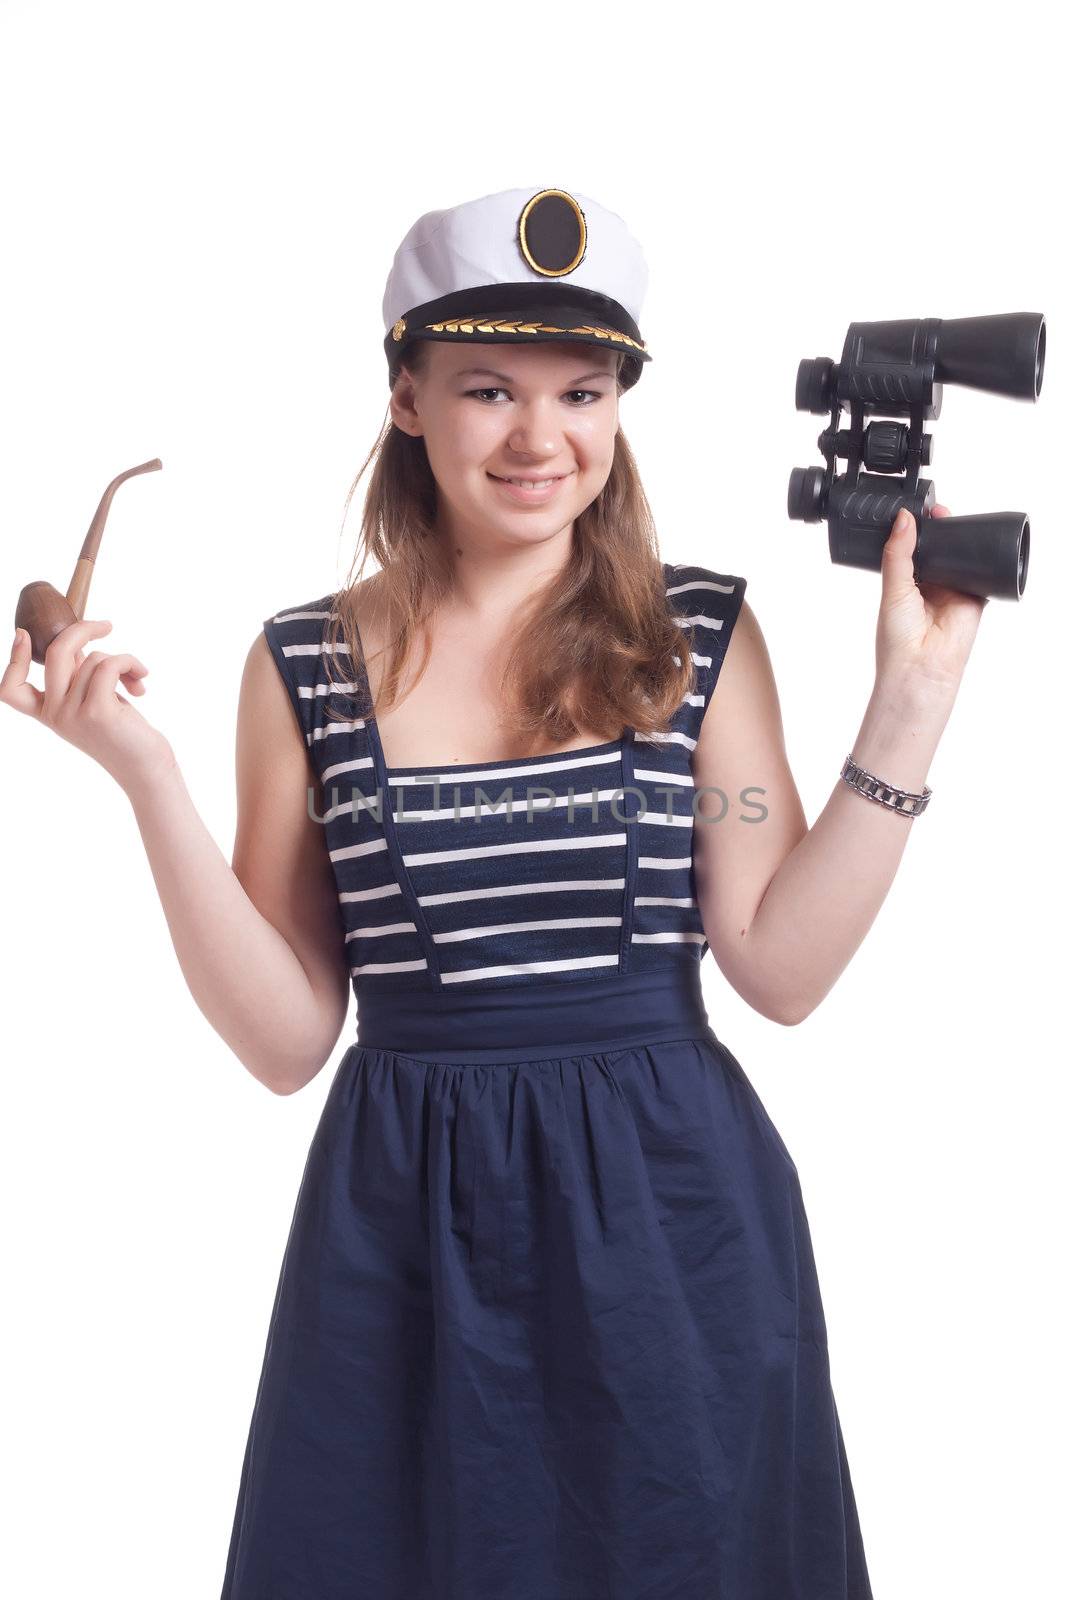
897,369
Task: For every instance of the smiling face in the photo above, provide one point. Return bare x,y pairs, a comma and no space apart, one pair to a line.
489,412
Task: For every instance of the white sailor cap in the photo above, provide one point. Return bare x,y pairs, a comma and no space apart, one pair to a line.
515,266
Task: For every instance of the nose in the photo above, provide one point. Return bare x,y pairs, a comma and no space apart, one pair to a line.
536,433
525,451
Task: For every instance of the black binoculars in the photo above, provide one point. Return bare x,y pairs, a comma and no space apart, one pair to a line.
896,369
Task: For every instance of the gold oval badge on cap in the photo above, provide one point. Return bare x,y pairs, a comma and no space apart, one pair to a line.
552,233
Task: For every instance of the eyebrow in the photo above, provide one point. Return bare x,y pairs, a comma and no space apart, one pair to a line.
488,372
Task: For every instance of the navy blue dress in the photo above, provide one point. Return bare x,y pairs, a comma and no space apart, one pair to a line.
548,1325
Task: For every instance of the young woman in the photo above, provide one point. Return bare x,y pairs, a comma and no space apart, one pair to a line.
548,1324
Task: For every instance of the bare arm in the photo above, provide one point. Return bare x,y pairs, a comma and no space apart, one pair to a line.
785,907
260,943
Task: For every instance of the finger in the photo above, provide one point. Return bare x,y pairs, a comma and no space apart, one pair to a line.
95,662
946,604
941,511
898,575
15,688
82,678
103,676
59,663
938,597
129,670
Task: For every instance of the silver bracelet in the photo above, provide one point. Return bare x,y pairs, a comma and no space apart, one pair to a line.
865,783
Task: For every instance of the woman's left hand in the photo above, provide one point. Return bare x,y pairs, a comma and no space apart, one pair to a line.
925,631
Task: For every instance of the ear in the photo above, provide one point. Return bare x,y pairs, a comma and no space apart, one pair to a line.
402,404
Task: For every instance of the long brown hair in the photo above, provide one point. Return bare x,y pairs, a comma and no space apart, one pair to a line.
592,649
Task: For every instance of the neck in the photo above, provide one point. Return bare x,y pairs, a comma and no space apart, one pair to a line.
486,586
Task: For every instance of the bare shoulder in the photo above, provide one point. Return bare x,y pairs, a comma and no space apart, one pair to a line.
279,855
265,718
259,667
745,690
748,815
742,737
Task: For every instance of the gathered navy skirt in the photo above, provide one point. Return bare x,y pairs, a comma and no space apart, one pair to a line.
548,1325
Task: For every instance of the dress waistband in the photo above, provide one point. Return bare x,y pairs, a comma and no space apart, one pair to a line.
536,1020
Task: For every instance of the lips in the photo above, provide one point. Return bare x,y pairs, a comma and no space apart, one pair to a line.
539,495
553,478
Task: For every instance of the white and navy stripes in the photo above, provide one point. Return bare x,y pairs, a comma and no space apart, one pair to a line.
499,873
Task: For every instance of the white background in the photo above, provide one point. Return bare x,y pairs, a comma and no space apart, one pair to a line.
200,206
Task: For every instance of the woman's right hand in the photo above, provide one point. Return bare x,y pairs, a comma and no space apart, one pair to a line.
81,703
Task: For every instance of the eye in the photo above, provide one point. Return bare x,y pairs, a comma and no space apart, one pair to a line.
592,394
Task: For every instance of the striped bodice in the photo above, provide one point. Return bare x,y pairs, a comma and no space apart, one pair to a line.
544,870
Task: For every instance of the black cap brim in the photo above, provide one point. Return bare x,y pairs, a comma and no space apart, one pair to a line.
516,313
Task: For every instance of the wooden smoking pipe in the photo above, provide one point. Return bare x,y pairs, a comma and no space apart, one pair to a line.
41,609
